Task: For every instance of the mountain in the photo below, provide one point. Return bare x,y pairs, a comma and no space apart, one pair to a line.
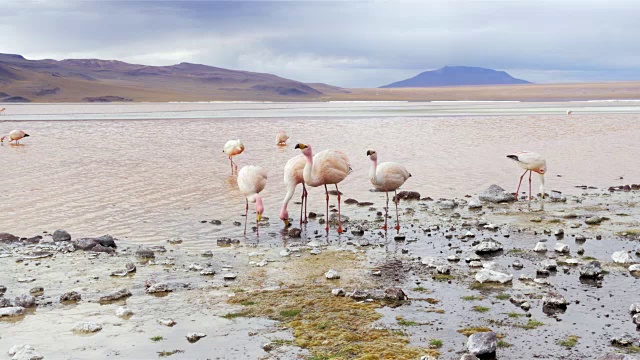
95,80
458,76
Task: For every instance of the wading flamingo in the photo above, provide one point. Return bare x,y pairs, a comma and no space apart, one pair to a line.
530,161
292,177
387,176
2,110
233,148
325,168
281,138
251,181
14,135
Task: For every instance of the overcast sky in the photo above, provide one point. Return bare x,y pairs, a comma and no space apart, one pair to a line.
345,43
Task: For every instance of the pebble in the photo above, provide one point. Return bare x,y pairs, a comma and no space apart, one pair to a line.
86,327
230,276
11,311
24,352
622,257
208,272
61,235
332,274
123,312
562,248
70,296
115,295
158,288
193,337
594,220
166,322
338,292
25,301
540,247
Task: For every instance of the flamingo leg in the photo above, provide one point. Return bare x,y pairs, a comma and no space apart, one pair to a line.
301,204
518,191
326,191
395,200
231,163
257,228
386,213
306,200
530,197
246,214
339,222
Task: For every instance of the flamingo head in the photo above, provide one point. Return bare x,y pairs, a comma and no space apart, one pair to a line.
372,154
284,216
259,207
306,149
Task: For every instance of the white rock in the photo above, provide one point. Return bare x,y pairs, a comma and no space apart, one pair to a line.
572,261
486,275
634,268
11,311
338,292
332,274
487,246
24,352
166,322
562,248
540,247
195,267
315,251
124,312
622,257
193,337
230,276
475,264
469,234
285,253
262,263
208,272
86,327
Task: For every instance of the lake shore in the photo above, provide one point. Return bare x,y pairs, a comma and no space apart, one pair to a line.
274,301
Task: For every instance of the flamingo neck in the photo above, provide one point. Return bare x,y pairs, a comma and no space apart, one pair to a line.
284,214
372,172
308,167
259,205
542,185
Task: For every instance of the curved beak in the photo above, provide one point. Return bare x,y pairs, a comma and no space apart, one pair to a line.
259,217
368,152
286,223
297,146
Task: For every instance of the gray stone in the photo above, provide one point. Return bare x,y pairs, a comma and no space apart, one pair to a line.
443,269
634,268
594,220
591,270
295,233
145,253
229,276
550,265
474,205
166,322
123,312
115,295
61,235
562,248
469,357
25,301
482,343
446,204
11,311
208,272
553,302
395,293
517,265
635,308
496,194
158,288
332,274
4,302
85,244
616,356
487,246
359,294
70,296
622,340
102,249
86,327
3,289
338,292
107,241
622,257
486,275
540,247
8,238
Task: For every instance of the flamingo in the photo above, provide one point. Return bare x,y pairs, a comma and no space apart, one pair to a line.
293,175
281,138
14,135
2,110
530,161
233,148
387,176
325,168
569,112
251,181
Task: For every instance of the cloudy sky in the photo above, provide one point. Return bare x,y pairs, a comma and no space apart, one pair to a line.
345,43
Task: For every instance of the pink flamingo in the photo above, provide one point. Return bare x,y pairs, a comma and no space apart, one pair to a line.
530,161
233,148
14,135
325,168
281,138
251,181
293,175
387,176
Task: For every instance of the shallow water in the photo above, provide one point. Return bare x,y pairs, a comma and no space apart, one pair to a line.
149,172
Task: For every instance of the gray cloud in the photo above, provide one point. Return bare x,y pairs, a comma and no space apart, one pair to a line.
339,42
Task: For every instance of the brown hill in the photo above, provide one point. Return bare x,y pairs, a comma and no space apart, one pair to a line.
75,80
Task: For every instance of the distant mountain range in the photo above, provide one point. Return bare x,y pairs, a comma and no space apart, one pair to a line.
94,80
457,76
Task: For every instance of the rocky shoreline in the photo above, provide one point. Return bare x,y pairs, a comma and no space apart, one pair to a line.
486,277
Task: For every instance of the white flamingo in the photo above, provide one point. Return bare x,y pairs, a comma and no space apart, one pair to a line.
14,135
251,181
387,176
325,168
293,175
233,148
530,161
281,138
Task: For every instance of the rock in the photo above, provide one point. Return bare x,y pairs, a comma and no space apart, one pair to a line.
3,289
616,356
550,265
482,343
525,306
36,291
131,267
407,195
11,311
559,233
26,280
443,269
474,205
556,196
159,287
145,253
61,235
166,322
562,248
517,265
208,272
86,327
295,233
636,319
226,241
123,312
267,347
634,268
24,352
496,194
84,244
536,219
229,276
591,270
265,262
8,238
622,257
452,258
359,294
332,274
70,296
107,241
103,249
594,220
446,204
285,253
553,302
475,264
195,267
469,357
487,246
4,302
395,293
635,308
333,219
174,241
486,275
357,231
338,292
25,301
623,340
315,251
193,337
115,295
